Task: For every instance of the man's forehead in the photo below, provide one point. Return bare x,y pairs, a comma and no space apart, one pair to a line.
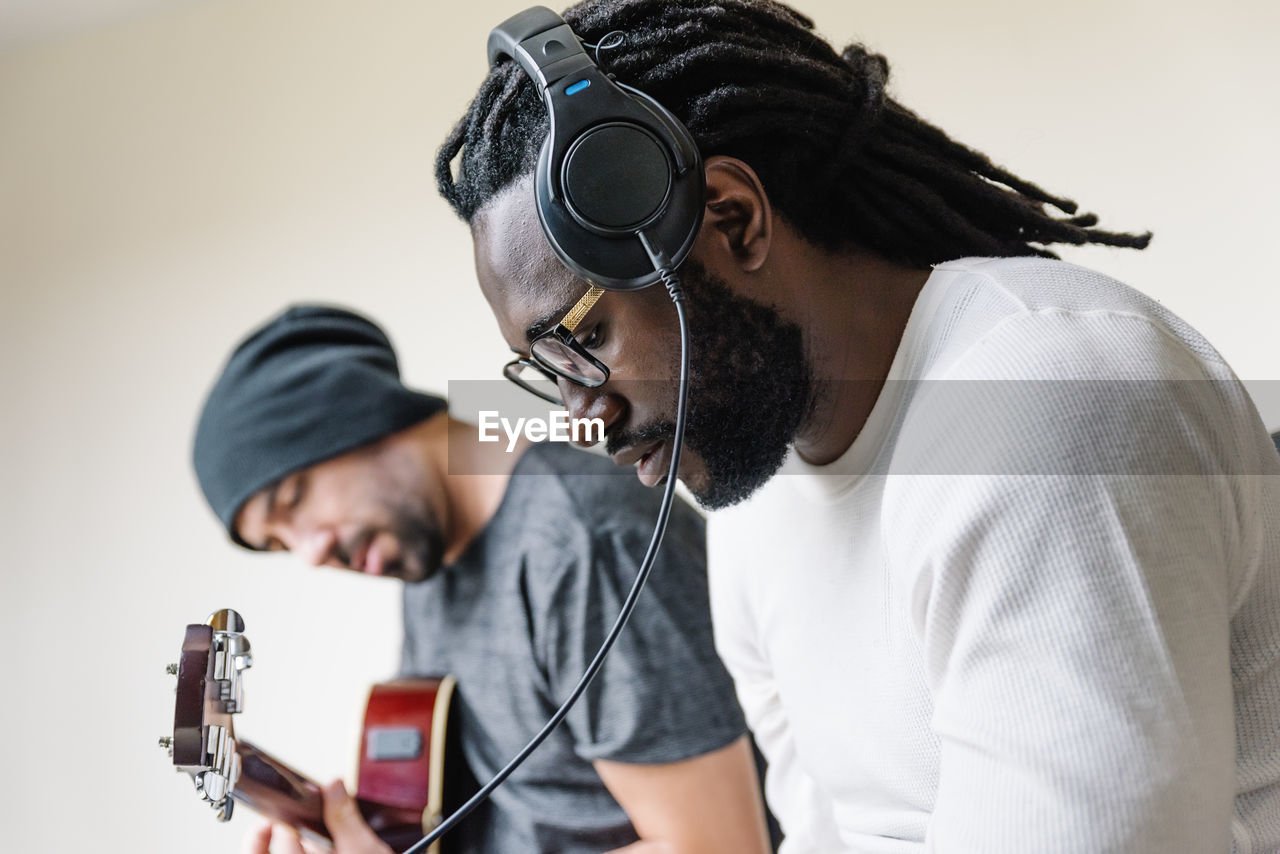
519,274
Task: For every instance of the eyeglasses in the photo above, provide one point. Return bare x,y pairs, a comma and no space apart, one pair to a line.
557,354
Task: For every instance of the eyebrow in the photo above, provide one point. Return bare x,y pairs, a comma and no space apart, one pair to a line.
542,324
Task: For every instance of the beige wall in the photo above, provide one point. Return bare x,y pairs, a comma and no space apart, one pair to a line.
168,181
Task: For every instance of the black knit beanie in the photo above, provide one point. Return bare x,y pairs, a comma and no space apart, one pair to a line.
313,383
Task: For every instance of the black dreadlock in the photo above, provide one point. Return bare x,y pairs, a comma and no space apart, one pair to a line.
841,161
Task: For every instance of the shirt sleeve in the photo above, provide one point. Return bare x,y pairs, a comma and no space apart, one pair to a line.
662,695
1073,592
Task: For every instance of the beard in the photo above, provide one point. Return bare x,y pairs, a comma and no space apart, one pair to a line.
421,546
420,539
750,388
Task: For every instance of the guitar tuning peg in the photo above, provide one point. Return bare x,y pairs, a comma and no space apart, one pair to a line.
238,645
240,652
226,620
167,743
171,669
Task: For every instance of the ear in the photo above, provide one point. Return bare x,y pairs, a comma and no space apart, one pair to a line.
738,219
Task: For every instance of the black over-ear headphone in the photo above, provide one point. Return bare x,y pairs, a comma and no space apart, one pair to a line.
619,179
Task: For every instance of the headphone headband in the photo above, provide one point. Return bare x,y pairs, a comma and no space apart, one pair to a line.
542,43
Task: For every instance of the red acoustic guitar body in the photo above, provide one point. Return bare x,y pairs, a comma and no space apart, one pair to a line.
410,771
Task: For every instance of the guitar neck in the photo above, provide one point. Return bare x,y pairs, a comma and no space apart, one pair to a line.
278,792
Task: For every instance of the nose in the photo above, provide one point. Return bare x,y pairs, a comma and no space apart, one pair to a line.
585,404
316,547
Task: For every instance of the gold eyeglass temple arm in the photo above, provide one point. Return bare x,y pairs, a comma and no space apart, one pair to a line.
579,311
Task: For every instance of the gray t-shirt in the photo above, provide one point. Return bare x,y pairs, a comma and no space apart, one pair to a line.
520,615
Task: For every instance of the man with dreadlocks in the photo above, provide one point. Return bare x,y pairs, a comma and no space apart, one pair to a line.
1018,591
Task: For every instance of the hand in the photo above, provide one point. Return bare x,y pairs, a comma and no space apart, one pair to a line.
351,835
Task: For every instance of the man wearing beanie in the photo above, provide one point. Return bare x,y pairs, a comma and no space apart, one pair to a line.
310,443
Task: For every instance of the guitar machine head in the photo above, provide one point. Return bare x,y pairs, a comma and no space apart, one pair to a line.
210,690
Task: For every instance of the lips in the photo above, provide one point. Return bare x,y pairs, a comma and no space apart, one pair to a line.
359,554
368,556
631,455
374,560
653,465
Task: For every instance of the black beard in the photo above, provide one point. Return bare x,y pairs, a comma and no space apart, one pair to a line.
420,537
750,388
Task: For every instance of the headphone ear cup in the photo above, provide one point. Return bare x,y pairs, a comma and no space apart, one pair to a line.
616,178
617,260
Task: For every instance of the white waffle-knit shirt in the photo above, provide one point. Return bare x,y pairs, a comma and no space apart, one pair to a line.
1035,607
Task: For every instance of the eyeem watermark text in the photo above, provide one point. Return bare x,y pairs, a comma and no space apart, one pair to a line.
561,428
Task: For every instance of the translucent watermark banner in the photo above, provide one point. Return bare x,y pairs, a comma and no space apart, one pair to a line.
505,419
931,427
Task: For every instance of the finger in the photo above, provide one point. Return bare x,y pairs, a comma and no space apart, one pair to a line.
346,825
287,841
258,841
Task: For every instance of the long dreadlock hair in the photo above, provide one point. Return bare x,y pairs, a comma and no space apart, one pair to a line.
842,162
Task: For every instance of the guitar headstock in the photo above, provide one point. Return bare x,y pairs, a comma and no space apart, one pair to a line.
210,691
